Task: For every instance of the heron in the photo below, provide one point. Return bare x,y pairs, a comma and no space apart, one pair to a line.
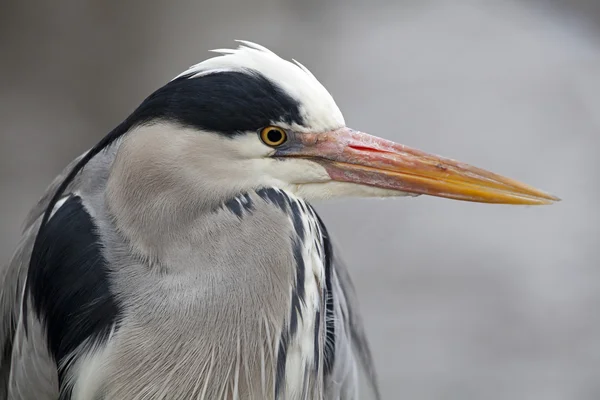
181,258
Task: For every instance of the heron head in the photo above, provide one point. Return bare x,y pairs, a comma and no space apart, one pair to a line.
248,119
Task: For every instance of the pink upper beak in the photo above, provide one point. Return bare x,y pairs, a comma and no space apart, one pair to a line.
352,156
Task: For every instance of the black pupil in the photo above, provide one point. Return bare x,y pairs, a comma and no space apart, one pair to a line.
274,136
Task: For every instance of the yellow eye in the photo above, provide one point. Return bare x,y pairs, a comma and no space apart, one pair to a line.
273,136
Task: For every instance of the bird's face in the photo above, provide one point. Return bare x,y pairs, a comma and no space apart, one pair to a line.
249,119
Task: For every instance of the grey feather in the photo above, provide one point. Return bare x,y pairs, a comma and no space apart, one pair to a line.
352,347
33,373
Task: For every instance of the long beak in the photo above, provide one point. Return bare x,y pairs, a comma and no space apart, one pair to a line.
352,156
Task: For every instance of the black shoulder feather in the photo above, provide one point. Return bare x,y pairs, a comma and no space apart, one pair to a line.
68,282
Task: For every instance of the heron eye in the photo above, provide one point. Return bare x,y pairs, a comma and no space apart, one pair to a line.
273,136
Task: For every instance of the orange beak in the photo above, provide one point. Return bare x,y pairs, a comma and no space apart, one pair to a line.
357,157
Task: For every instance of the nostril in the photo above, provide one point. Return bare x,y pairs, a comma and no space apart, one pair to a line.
365,148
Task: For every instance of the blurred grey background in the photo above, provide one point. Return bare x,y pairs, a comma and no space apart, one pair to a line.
461,300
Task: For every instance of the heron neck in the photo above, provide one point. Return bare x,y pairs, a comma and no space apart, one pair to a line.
150,202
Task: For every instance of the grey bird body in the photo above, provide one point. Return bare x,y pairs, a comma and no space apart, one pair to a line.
205,322
179,257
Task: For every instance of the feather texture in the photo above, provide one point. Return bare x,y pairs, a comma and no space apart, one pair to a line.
309,344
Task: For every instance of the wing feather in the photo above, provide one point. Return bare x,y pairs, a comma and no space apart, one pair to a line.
25,358
346,344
